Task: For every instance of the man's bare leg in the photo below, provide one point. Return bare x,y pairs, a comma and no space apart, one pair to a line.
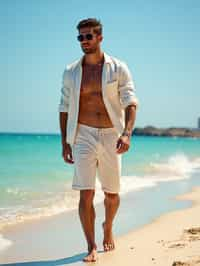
87,217
111,203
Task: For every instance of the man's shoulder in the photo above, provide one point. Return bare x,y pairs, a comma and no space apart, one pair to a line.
72,66
118,62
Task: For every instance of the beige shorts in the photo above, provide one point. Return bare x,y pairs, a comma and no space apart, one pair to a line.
94,152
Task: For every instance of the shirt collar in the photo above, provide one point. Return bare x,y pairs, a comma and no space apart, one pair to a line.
107,59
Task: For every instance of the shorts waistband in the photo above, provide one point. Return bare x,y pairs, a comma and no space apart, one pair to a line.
97,129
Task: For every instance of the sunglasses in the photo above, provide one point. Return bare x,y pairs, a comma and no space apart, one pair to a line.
87,37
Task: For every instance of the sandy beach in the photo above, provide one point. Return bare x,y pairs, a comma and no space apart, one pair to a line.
173,239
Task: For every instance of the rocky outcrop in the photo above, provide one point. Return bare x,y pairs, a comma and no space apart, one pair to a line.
169,132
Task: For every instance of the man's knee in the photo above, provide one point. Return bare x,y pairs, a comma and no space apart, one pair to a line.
112,198
86,197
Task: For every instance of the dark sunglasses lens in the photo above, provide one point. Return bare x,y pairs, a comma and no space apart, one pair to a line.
89,36
80,38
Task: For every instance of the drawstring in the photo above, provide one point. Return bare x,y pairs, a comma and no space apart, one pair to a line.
101,136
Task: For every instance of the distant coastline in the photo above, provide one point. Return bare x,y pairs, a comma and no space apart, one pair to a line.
166,132
138,131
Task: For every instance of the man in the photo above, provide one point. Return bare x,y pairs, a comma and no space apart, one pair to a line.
97,115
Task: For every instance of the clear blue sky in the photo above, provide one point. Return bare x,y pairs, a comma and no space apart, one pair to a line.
159,40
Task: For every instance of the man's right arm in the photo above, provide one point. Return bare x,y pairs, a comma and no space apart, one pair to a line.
66,148
63,117
63,125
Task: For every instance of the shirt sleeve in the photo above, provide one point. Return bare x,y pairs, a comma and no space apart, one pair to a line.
126,87
64,99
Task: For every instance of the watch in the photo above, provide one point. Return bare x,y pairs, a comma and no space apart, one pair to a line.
128,134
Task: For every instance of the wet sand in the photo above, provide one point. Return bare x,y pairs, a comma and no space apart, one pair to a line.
173,239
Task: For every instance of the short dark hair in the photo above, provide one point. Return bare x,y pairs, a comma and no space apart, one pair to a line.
91,23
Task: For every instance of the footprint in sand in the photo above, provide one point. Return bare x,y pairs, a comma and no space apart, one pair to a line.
177,245
192,233
191,263
179,263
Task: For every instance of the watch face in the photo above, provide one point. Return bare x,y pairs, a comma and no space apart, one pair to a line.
126,134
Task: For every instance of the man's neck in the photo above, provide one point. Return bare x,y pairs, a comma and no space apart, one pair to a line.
93,59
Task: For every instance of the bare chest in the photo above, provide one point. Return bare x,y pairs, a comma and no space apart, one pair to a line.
91,81
92,110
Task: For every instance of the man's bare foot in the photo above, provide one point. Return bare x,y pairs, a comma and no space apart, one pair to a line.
108,242
91,256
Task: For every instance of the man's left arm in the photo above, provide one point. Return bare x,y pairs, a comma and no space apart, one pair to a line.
123,142
129,102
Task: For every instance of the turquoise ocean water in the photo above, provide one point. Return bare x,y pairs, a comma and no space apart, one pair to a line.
36,182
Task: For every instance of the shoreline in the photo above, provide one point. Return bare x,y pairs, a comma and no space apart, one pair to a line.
149,239
126,198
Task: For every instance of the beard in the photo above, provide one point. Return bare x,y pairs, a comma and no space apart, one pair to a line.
89,50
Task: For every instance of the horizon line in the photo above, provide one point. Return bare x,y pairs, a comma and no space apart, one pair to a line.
58,132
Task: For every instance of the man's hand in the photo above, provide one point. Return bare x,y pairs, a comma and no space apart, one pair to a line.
123,144
67,153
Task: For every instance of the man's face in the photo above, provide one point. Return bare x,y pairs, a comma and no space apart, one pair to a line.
90,46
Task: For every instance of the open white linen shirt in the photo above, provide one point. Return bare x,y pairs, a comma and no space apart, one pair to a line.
118,91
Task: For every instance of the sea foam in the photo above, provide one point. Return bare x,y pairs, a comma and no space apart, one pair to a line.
178,166
175,167
4,243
